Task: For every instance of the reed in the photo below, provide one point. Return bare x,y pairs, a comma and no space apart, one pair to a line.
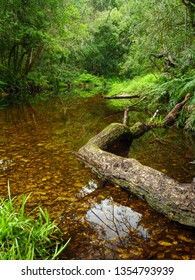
25,238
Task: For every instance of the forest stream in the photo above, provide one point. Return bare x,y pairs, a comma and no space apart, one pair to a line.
104,222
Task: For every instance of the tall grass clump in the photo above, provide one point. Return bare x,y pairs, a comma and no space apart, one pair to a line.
25,238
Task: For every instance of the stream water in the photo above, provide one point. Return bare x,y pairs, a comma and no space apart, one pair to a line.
36,156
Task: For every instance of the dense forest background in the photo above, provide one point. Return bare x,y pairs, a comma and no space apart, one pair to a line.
58,44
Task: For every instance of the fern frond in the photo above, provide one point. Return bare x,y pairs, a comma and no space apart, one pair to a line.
189,87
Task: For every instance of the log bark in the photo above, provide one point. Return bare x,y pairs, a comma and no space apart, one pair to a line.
167,196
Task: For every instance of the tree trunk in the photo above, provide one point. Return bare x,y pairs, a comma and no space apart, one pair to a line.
164,194
32,59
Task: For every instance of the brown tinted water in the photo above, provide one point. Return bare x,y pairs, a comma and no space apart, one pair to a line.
36,156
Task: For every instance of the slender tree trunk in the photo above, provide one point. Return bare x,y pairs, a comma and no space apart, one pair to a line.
32,59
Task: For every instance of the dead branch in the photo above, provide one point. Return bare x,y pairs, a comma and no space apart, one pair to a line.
173,114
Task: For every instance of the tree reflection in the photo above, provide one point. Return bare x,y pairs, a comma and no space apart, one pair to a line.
115,222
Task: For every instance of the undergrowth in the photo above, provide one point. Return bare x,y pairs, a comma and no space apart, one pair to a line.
25,238
87,85
167,94
159,92
140,85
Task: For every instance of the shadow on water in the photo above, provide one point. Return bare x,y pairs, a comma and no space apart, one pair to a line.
104,222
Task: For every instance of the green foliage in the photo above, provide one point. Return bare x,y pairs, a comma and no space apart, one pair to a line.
157,120
137,85
25,238
129,38
47,44
168,93
190,122
86,78
175,89
188,83
36,35
158,28
89,85
109,41
103,4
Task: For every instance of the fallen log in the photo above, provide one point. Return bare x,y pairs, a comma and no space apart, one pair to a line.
122,96
167,196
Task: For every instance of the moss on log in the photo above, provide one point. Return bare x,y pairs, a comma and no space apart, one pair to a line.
164,194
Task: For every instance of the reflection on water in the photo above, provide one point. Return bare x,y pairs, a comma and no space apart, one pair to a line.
104,222
5,163
87,189
114,221
168,152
